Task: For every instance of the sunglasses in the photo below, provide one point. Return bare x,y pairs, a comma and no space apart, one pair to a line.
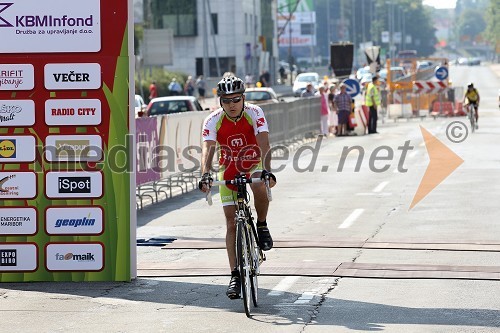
229,100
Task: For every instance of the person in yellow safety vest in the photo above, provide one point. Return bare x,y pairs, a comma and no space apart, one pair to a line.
372,100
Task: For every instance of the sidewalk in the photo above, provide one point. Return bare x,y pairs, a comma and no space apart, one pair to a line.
496,69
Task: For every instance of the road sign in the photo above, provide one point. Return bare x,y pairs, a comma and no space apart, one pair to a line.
353,87
428,87
441,73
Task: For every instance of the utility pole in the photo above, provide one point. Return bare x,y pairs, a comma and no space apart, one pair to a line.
354,33
206,72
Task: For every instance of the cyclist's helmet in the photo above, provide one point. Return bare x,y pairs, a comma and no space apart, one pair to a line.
470,85
230,85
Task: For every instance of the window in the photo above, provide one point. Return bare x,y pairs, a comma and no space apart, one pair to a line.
175,15
215,24
246,24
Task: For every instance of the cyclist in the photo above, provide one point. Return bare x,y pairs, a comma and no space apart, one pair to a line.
239,130
472,97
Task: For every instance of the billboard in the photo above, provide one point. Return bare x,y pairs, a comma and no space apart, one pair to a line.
296,23
66,208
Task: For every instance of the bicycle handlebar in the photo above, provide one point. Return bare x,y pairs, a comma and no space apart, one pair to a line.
235,182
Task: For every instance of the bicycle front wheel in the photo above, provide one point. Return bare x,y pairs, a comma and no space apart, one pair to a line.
255,260
472,118
243,253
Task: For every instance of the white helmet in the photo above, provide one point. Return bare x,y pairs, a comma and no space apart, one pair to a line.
230,85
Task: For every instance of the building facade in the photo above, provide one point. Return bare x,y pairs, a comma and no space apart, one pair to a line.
207,30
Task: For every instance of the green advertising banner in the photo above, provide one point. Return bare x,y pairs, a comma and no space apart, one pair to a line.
302,5
66,183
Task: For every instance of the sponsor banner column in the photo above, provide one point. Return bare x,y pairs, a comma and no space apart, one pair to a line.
66,180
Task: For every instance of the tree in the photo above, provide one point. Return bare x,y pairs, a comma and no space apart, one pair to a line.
471,23
492,32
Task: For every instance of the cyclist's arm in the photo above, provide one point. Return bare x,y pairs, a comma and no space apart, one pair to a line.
265,150
207,156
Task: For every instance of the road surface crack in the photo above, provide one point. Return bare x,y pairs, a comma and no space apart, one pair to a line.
315,311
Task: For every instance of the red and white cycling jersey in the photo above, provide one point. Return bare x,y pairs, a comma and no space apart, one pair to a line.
237,141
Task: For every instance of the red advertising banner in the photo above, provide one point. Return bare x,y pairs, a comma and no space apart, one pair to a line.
66,162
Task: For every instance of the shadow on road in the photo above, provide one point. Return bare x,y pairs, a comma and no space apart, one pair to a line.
356,315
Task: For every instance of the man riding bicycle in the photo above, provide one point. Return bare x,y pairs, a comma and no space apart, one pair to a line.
241,133
472,97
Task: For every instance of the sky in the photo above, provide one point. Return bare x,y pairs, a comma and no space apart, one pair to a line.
441,3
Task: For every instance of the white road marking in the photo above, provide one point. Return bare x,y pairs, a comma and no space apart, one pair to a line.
306,297
380,187
351,218
283,286
382,194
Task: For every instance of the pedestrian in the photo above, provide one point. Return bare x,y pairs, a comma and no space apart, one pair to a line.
372,100
249,80
325,110
202,86
174,87
282,74
343,103
265,79
153,91
309,92
189,86
333,119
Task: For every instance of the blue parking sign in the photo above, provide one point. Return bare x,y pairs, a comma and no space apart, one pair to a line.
353,87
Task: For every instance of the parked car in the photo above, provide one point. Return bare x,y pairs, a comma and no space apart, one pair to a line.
463,61
396,73
301,81
423,65
261,95
172,104
139,106
474,61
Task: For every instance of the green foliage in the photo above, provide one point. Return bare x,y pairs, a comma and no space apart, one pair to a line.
138,37
471,23
160,76
492,32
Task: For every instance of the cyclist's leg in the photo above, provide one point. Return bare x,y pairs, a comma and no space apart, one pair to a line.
261,207
228,198
259,194
476,110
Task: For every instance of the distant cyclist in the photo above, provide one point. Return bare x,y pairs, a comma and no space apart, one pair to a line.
239,130
472,97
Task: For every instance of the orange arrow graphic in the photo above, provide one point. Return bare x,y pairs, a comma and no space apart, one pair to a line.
443,161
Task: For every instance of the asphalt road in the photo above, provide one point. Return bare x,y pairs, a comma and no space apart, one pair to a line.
350,255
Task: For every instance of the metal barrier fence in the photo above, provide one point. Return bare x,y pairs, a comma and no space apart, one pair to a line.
179,138
291,120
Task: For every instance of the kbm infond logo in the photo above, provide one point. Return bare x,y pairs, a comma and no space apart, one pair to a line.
33,21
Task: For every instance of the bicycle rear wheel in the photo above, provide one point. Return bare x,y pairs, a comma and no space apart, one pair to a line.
243,253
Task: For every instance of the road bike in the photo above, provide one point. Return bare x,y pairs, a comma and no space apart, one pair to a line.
472,116
249,256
